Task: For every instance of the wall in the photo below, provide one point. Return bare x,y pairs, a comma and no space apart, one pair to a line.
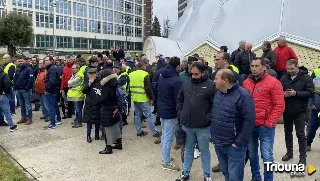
308,57
207,52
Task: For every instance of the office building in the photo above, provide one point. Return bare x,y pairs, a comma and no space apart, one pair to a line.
83,24
182,5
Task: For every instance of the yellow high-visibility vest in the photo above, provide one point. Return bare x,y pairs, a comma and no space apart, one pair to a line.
138,92
317,72
75,93
124,87
234,68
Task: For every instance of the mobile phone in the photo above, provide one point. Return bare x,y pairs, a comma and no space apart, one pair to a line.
289,90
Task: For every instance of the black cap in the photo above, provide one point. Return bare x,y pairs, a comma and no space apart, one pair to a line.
92,71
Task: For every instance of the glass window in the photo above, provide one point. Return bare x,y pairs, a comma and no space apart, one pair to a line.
22,11
130,31
81,43
95,2
138,32
95,43
63,7
129,7
107,15
107,44
138,46
64,42
42,5
94,26
79,10
138,21
107,4
63,22
120,43
119,30
80,25
44,40
108,28
44,20
138,1
22,3
118,17
118,5
129,19
138,9
94,12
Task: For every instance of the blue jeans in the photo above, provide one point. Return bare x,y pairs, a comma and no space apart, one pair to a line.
169,128
313,125
53,108
12,101
44,104
231,161
140,108
25,103
78,108
266,137
281,74
37,102
244,77
203,137
89,127
5,109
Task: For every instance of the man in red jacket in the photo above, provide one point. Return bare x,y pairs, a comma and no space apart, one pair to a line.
268,97
283,54
40,89
66,76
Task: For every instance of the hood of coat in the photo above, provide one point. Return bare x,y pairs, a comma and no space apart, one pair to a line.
111,79
169,71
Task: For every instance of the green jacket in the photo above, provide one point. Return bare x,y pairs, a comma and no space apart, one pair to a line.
185,75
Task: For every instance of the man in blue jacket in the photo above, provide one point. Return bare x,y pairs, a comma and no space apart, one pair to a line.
23,84
168,88
52,85
233,119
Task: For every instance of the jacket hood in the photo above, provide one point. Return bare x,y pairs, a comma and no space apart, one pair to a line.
169,71
111,78
160,64
303,69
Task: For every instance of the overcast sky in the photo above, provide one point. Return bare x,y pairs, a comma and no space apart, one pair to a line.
164,8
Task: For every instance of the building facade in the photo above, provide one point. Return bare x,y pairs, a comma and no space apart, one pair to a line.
88,25
147,18
182,5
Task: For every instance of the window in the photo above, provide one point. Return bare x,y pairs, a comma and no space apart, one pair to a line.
79,10
107,44
95,2
44,41
129,7
107,4
138,32
131,46
138,9
64,42
108,28
138,21
138,46
120,43
80,25
63,7
94,26
107,15
95,43
42,5
63,22
2,13
84,1
81,43
22,11
129,19
22,3
118,17
130,31
94,13
119,30
118,5
44,20
139,1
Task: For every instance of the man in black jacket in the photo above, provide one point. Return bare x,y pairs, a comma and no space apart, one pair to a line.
5,86
298,88
118,54
10,69
269,54
234,54
52,84
194,110
243,61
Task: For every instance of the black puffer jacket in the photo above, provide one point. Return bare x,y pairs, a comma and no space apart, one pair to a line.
108,100
92,106
269,54
304,87
194,103
243,61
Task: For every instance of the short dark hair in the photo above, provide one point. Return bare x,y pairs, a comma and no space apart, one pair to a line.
292,62
50,58
267,43
199,65
262,60
93,60
224,48
174,62
191,60
228,75
141,63
99,55
226,56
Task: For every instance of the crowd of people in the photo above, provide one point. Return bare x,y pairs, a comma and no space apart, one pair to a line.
235,105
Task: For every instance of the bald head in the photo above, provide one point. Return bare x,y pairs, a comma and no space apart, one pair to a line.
248,47
224,80
6,58
227,74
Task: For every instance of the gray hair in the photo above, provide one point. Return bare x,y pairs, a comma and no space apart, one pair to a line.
292,62
242,42
282,38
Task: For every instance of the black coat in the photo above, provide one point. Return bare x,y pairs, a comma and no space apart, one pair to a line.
108,100
304,87
194,103
243,61
92,106
269,54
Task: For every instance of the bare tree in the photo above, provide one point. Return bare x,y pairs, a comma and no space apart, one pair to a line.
166,28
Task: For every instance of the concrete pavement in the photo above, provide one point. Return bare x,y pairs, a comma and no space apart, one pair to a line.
64,155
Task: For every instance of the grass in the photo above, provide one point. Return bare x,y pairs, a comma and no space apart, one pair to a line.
9,172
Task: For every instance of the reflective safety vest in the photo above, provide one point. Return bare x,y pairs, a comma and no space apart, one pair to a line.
75,93
124,87
6,69
127,69
316,72
234,68
138,92
82,69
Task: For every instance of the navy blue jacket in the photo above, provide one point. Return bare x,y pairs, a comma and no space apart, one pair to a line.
59,69
168,88
52,82
35,70
24,78
233,117
160,66
131,63
85,76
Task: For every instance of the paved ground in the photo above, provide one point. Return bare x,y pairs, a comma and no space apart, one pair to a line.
64,155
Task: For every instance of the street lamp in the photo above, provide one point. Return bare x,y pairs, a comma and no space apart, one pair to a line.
53,5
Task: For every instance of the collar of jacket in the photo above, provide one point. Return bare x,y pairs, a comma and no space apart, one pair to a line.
300,73
108,78
42,69
259,78
23,67
234,87
69,65
49,66
265,51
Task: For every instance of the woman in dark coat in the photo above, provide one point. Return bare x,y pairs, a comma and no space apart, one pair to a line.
108,100
92,107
